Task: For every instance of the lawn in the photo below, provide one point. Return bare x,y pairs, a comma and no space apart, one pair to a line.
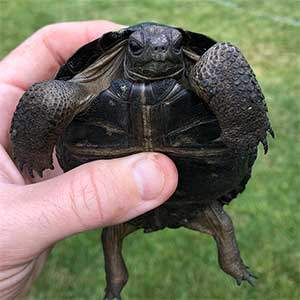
181,264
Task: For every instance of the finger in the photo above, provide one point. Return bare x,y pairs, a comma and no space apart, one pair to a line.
39,58
94,195
8,171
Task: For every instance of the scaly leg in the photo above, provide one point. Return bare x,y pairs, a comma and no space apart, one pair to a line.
115,268
213,220
225,81
43,113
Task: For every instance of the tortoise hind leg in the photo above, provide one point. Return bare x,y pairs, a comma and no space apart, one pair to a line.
115,268
214,221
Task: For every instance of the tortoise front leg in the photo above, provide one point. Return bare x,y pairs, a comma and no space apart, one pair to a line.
213,220
224,80
115,268
41,116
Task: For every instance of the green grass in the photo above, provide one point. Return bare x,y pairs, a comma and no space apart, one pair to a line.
181,264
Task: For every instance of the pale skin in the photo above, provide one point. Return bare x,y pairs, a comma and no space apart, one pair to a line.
37,213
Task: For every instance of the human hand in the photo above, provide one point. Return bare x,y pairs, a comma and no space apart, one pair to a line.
35,215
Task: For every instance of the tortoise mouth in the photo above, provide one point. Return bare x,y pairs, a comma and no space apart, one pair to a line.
158,68
154,70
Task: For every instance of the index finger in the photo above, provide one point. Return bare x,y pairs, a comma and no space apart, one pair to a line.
38,58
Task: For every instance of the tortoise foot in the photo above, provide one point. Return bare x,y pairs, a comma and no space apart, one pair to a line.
247,276
216,222
113,291
111,296
238,271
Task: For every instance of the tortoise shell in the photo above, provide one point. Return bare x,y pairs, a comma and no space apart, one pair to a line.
153,87
161,116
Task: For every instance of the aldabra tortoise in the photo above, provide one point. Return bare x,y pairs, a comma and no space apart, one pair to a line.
153,87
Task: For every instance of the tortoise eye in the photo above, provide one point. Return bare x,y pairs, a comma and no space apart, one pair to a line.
177,45
135,47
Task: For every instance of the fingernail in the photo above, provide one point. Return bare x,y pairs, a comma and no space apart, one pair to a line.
149,177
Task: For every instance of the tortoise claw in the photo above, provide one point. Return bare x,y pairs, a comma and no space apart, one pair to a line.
250,279
32,165
265,144
40,173
247,276
20,165
33,162
111,297
254,276
272,133
264,141
238,282
30,171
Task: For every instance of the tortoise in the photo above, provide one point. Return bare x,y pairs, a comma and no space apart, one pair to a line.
153,87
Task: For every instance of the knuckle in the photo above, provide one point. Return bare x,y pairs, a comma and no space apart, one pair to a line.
89,192
96,183
112,200
47,30
47,35
99,196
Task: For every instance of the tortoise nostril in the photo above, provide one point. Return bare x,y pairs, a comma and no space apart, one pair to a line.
159,48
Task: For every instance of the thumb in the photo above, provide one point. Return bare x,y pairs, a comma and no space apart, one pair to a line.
93,195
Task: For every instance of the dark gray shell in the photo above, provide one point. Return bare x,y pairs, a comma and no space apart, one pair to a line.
162,117
89,53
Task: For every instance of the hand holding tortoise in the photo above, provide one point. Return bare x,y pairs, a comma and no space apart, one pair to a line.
152,87
34,214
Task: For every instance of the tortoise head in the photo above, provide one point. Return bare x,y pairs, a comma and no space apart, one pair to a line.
154,51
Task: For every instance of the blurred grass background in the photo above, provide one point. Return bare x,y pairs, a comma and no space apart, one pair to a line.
181,264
